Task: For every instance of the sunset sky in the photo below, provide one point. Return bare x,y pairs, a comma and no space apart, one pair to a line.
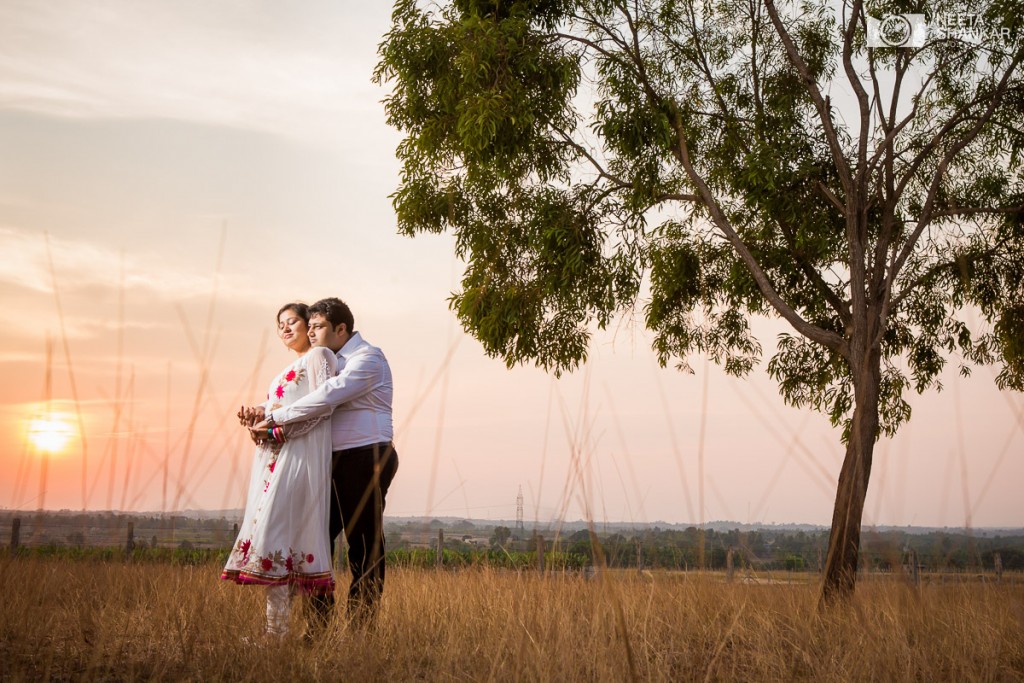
187,167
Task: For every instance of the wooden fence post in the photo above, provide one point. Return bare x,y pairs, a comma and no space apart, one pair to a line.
440,548
540,553
15,533
997,560
129,545
728,565
639,557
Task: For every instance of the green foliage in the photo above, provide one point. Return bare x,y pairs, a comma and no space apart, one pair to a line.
712,161
182,556
500,536
426,558
660,549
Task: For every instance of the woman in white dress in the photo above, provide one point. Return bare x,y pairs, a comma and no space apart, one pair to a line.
283,538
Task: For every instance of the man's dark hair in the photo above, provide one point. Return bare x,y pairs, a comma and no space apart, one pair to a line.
335,311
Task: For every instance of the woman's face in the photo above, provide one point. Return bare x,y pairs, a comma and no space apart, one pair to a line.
292,330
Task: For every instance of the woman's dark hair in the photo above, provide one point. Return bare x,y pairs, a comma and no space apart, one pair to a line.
336,312
301,310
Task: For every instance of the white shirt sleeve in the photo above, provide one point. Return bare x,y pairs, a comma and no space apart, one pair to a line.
363,372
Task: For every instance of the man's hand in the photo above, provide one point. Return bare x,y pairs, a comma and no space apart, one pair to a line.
258,431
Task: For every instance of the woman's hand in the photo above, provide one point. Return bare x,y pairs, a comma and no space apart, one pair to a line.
248,416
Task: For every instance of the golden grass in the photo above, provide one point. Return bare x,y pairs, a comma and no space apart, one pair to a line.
83,620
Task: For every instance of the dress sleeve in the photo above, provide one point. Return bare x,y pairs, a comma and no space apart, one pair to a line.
320,366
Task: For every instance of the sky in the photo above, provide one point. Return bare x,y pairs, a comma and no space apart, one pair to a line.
171,172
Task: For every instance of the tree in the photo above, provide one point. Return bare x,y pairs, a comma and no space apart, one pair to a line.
575,148
500,536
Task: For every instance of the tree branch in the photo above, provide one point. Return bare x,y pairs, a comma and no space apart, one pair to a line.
832,137
974,210
936,269
940,171
898,261
828,339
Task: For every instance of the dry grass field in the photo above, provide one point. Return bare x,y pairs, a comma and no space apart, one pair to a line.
108,621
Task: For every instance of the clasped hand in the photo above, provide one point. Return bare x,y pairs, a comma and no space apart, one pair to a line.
253,418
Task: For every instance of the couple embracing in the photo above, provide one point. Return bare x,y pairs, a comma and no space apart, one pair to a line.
323,464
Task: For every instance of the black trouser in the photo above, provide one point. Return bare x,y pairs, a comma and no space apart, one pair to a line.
360,478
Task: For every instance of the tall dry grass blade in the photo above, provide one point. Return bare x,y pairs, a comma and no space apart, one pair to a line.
544,458
617,424
965,493
114,441
190,430
439,377
947,483
129,455
71,371
22,475
420,399
110,451
624,635
759,508
1004,451
881,479
156,458
24,471
675,446
815,470
719,498
625,494
241,437
438,433
723,641
700,458
578,466
44,458
167,442
206,355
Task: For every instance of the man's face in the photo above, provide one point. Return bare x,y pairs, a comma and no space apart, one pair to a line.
321,333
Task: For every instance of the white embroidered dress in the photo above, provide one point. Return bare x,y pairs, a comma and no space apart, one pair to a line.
283,538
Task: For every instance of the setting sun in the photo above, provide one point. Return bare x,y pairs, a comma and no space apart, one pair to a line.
50,434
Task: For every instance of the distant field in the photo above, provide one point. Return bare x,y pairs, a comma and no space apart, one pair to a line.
103,620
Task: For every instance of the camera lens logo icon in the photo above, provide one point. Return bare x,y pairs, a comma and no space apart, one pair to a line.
897,30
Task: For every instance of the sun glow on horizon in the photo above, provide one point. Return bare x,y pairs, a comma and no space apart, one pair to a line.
50,434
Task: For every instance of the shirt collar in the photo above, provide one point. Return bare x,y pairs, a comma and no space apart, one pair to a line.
354,342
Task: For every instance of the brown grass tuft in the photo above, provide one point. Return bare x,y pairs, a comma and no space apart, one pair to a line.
83,620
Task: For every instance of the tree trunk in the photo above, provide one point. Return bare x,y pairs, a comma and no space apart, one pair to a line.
840,575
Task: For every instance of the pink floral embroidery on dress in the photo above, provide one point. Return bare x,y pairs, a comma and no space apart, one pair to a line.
279,392
290,376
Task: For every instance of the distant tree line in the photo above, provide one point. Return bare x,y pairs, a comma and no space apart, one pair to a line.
772,549
469,544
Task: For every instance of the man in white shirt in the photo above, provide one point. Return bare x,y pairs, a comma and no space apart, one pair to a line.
364,457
